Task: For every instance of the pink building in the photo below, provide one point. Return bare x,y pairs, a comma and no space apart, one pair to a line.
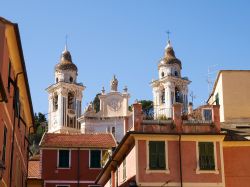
73,160
178,152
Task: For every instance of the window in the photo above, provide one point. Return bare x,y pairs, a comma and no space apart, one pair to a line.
124,169
56,80
71,79
95,159
55,102
206,156
178,95
217,101
157,159
4,144
163,96
176,73
64,159
162,74
207,114
70,100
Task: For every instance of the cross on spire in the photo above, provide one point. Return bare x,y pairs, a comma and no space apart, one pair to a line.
168,33
66,42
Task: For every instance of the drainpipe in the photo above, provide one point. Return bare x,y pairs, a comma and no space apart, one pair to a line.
78,167
13,132
180,158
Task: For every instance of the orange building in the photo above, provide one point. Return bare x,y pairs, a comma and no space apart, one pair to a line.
16,112
182,151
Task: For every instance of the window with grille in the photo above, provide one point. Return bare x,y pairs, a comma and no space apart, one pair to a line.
157,158
206,156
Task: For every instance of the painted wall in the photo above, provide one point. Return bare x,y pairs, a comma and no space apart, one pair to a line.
53,175
237,165
18,169
172,175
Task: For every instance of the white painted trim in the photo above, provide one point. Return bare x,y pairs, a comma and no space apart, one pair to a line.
67,181
198,170
166,170
58,158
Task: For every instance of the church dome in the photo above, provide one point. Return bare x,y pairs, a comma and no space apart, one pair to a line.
169,57
66,62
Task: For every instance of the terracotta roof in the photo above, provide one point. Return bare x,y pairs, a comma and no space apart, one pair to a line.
34,171
78,140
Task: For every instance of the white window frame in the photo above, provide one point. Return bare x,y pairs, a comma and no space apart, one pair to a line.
203,117
90,158
58,159
198,170
148,170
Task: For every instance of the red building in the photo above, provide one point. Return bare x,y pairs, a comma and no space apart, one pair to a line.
73,160
16,112
178,152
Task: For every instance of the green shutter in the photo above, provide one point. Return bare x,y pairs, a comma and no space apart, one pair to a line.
206,156
95,158
64,158
157,155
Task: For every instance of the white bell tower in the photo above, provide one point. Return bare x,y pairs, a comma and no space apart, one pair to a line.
65,97
170,87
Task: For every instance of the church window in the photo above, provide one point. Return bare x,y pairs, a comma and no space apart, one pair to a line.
71,79
176,73
178,96
162,74
56,80
206,156
70,100
64,158
95,159
55,102
163,96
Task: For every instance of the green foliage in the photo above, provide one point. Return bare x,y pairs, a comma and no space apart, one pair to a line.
40,126
96,103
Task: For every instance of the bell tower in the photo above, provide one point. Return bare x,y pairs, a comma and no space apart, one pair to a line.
65,97
171,87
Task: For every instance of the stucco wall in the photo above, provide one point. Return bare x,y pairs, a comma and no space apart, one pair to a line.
237,166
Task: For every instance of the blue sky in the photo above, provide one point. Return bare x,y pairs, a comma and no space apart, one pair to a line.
127,38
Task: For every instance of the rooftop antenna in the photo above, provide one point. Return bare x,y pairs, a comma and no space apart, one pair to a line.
192,96
210,72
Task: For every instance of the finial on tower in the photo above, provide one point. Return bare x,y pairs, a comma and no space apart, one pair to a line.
66,43
169,43
114,84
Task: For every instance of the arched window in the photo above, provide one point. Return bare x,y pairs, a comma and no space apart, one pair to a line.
176,73
178,95
70,100
162,74
55,102
163,96
71,79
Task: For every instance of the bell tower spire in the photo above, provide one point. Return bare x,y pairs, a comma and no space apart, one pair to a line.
170,88
65,97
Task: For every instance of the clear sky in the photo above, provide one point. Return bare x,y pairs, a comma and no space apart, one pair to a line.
127,38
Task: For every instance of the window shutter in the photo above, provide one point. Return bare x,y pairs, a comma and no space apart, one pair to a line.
152,155
161,153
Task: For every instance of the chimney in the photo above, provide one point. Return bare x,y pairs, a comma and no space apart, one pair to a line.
216,117
177,111
137,116
190,108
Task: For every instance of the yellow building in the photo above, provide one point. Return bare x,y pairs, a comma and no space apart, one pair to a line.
232,92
